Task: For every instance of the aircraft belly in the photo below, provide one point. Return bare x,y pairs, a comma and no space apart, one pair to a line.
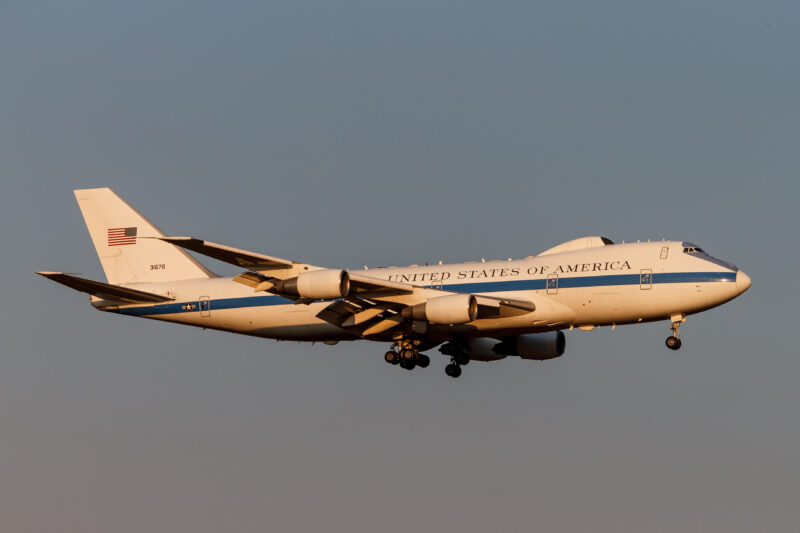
289,322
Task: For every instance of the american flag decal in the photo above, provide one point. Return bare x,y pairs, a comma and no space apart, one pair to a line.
121,236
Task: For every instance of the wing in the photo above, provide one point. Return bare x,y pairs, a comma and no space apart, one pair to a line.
279,268
374,306
104,290
401,295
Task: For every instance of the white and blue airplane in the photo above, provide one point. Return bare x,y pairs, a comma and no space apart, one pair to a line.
482,311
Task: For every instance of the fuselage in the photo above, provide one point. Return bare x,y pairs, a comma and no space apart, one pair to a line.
598,286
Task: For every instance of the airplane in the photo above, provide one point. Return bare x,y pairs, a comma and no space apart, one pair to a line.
474,311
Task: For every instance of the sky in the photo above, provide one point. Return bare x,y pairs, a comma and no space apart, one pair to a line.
389,133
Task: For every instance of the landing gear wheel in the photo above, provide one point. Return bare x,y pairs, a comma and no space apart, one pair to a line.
461,359
408,355
391,357
452,370
410,365
673,343
423,360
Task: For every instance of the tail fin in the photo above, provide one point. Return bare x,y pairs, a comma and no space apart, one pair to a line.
117,231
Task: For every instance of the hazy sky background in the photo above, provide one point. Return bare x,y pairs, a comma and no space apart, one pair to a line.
351,133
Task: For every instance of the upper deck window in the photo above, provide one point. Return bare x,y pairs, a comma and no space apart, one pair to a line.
693,250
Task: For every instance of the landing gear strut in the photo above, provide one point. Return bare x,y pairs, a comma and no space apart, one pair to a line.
458,358
674,342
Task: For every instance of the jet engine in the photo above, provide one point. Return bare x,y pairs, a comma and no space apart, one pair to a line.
538,346
480,349
451,309
317,284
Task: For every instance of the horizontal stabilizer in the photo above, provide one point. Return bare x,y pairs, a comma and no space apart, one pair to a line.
242,258
104,290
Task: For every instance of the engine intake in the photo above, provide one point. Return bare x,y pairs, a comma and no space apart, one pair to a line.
317,284
451,309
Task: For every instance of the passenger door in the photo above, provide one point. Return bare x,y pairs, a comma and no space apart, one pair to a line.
552,284
646,279
205,306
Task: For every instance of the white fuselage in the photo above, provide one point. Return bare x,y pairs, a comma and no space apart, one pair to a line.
617,284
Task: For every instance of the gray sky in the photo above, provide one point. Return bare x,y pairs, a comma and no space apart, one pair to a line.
350,133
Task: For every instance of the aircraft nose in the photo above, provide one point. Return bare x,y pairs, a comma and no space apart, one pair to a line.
742,281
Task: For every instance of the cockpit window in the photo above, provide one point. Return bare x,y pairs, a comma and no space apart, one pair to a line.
693,250
699,253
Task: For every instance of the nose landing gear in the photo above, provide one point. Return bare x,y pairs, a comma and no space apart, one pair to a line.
674,341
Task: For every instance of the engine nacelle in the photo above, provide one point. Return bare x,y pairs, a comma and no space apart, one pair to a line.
452,309
538,346
480,349
317,284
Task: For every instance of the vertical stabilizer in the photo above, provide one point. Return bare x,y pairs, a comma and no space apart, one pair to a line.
119,234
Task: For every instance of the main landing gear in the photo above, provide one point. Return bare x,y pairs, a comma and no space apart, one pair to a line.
674,342
458,358
453,370
405,353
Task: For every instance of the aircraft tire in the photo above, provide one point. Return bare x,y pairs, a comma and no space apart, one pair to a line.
461,358
423,361
673,343
452,370
408,355
391,357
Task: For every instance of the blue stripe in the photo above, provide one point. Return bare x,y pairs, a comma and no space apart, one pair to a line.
222,303
591,281
479,287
